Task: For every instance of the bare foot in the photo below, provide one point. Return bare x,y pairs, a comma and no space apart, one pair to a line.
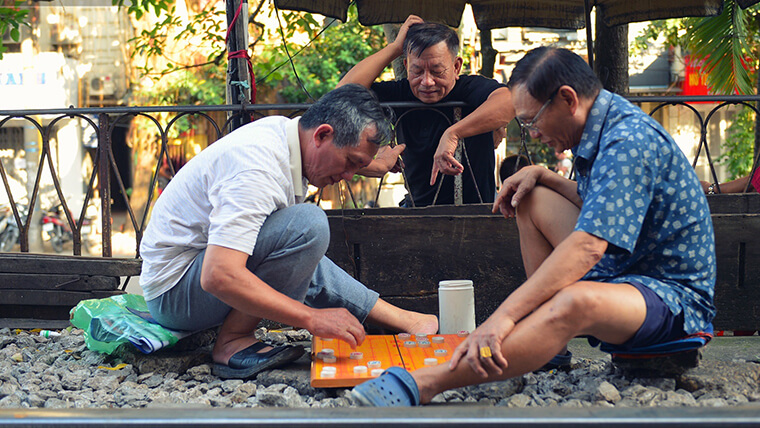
401,320
224,350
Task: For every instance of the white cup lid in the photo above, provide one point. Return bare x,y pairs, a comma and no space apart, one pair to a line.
455,283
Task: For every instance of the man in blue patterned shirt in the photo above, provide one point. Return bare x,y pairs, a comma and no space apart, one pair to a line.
625,255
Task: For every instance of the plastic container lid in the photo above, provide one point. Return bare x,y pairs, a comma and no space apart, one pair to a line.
455,283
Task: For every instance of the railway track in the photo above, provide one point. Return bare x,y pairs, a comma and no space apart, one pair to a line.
470,416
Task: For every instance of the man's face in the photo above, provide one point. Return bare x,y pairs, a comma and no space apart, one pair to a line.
550,125
327,164
432,75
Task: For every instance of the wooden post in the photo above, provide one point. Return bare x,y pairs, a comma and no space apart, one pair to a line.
611,64
488,53
238,79
104,180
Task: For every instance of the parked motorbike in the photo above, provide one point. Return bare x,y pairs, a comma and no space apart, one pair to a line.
56,226
9,229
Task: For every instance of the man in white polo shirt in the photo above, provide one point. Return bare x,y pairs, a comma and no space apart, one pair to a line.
229,242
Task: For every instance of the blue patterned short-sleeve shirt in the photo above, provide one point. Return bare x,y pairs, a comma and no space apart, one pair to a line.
641,195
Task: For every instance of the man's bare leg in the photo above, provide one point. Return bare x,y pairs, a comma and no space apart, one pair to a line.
611,312
235,334
544,219
392,317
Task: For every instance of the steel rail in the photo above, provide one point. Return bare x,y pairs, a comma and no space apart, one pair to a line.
460,415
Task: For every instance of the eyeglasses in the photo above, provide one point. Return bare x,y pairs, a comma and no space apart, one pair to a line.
531,126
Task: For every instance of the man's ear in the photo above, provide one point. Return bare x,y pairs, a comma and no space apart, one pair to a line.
458,66
407,71
323,134
568,97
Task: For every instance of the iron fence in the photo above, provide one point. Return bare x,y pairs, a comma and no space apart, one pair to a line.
102,122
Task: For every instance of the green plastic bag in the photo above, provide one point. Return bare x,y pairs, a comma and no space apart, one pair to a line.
110,322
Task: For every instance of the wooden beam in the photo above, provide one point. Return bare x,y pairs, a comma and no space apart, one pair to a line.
50,264
28,281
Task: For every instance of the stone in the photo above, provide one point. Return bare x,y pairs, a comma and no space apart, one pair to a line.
518,400
297,376
678,398
105,383
607,392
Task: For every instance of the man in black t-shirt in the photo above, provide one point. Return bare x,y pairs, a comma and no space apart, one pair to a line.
429,137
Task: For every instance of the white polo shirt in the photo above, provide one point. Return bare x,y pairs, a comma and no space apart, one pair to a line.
222,197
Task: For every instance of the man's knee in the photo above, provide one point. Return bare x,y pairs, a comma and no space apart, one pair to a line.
313,221
574,305
535,201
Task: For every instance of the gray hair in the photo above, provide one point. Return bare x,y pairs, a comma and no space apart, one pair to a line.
350,110
424,35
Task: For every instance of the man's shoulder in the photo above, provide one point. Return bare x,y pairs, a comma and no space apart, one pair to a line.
393,90
473,89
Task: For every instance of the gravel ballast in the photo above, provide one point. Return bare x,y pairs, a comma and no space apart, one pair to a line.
60,372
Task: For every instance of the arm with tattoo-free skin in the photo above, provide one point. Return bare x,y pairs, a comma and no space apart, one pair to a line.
224,274
523,181
571,258
365,72
495,112
567,264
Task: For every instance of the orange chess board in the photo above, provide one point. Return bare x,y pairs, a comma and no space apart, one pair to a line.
376,353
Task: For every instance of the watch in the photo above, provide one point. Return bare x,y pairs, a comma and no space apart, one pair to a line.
711,189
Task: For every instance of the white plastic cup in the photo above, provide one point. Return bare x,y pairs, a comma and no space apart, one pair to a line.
456,306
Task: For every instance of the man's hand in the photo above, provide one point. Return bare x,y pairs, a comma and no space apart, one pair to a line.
489,335
387,160
401,36
336,323
443,160
514,188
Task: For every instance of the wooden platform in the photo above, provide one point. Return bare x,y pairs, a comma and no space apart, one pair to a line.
38,290
403,253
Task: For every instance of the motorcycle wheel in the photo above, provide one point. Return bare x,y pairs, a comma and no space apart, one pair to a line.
8,240
56,240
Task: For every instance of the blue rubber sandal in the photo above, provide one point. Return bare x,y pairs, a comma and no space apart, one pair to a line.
250,362
394,388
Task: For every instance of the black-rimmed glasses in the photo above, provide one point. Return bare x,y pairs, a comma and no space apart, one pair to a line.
531,126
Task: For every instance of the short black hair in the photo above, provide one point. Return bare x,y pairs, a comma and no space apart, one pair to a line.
544,70
350,109
512,164
424,35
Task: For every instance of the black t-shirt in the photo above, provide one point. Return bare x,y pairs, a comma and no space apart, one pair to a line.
421,131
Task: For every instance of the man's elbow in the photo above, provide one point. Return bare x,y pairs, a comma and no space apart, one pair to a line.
215,280
592,247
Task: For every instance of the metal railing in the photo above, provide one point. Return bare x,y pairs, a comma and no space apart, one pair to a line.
103,122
